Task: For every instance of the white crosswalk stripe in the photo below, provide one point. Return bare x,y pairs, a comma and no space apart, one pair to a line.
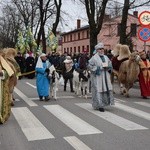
30,125
143,104
75,123
133,111
76,143
31,85
110,117
24,97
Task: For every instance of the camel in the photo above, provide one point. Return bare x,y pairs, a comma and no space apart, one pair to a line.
128,73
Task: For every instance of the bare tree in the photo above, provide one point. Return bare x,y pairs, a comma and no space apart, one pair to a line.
124,37
48,9
10,23
27,9
95,12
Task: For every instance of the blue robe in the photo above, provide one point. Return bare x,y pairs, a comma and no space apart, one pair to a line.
42,81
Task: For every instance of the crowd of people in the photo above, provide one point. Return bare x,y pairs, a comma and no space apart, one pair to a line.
100,64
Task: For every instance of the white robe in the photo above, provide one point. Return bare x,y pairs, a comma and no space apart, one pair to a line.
101,86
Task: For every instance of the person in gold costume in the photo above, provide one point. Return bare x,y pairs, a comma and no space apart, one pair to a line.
7,83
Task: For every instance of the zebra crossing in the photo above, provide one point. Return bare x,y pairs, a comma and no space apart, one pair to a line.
33,129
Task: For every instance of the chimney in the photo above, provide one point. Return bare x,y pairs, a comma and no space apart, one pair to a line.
78,23
135,13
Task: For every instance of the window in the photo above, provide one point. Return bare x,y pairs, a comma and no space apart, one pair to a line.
118,29
133,29
70,49
82,48
87,48
74,36
67,38
79,36
82,34
79,49
74,49
87,32
64,38
71,37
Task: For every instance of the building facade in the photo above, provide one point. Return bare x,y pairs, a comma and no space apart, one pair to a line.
77,41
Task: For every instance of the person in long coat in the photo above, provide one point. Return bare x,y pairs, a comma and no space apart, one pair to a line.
42,80
101,67
144,75
30,66
21,62
6,72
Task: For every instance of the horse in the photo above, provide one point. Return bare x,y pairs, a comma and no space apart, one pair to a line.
81,81
54,79
128,73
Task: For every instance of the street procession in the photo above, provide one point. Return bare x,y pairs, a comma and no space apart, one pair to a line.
86,88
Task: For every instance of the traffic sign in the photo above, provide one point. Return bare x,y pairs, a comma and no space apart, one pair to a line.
144,34
144,18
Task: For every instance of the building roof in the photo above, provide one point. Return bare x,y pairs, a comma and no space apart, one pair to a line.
75,30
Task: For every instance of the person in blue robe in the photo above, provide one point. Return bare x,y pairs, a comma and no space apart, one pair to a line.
42,79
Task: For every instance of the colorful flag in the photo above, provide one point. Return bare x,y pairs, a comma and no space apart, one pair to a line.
52,40
20,45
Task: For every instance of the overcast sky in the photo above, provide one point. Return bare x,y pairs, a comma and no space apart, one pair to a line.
77,11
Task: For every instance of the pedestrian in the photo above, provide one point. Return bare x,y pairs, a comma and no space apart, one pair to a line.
101,67
6,72
9,55
21,62
68,73
148,55
144,75
30,66
42,79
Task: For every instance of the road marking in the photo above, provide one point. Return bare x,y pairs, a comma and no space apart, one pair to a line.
17,100
25,98
30,125
62,97
143,104
133,111
75,123
31,85
119,100
76,143
112,118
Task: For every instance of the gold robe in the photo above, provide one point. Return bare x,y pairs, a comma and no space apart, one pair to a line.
5,96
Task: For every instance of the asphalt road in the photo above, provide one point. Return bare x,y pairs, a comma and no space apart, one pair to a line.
70,123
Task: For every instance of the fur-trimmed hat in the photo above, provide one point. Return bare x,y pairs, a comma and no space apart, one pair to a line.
124,52
11,52
67,61
99,46
116,50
